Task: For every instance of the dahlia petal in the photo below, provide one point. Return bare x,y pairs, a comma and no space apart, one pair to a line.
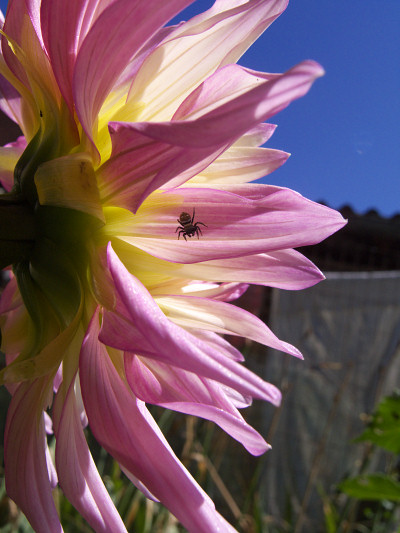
123,426
253,18
138,484
17,18
51,470
241,220
138,163
224,85
283,269
168,342
225,292
10,98
62,41
256,136
215,38
100,60
213,339
26,469
147,156
27,59
78,475
241,165
179,390
222,318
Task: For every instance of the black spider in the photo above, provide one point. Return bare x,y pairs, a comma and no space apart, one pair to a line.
187,227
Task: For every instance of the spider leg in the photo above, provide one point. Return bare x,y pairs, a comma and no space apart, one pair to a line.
193,215
198,230
202,223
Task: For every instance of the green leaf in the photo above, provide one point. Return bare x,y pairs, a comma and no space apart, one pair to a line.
384,428
372,487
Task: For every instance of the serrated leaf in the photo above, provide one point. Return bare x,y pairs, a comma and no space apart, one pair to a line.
372,487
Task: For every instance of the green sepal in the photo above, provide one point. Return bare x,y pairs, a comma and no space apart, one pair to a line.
33,300
58,280
69,227
41,148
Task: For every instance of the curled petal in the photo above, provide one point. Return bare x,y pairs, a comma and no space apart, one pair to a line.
108,47
78,475
148,156
179,390
240,165
25,456
256,136
140,326
210,40
26,58
62,41
124,427
222,318
283,269
225,292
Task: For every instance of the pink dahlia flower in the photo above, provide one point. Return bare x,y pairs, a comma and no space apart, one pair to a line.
131,224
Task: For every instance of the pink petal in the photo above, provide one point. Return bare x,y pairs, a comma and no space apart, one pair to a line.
251,19
63,40
225,85
179,390
241,220
125,429
256,136
147,156
283,269
10,100
26,470
78,475
138,164
108,47
219,343
17,12
145,330
221,317
22,25
241,165
210,40
226,292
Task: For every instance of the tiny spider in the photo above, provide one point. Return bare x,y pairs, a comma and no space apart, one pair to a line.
187,227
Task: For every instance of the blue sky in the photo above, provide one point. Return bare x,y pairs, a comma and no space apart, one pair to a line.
344,135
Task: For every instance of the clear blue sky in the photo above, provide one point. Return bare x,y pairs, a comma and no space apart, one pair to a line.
344,135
